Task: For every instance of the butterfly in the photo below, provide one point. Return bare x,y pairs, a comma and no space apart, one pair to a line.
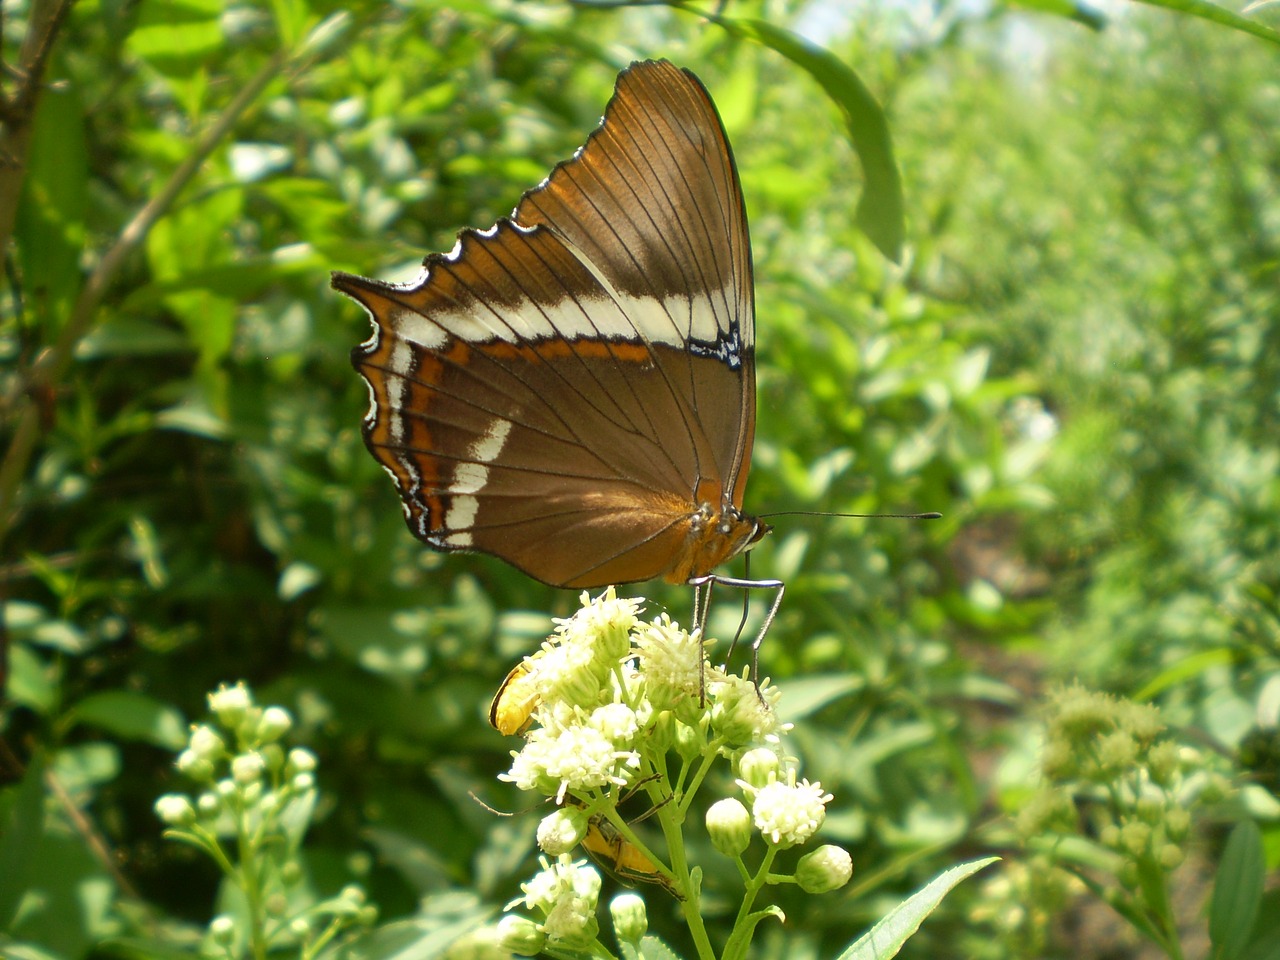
573,389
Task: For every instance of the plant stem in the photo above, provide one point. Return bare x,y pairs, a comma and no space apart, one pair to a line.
743,925
672,822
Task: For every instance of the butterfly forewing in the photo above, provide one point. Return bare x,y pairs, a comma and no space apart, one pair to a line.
572,390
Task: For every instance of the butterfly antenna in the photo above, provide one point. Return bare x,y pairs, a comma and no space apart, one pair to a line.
931,515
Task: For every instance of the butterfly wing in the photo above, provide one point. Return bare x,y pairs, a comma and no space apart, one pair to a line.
565,389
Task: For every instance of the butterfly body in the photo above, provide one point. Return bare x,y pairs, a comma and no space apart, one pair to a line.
573,389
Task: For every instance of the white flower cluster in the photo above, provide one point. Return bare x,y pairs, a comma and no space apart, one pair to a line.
565,894
603,706
605,683
255,772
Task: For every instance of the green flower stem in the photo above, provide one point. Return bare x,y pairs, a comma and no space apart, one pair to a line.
744,924
708,759
1155,888
1123,905
671,821
249,883
311,950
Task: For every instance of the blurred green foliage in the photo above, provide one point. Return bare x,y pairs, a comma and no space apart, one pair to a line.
1077,363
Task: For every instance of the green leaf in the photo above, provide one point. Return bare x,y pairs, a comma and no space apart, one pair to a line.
130,336
1069,9
886,938
880,210
50,228
1217,14
31,683
1237,891
178,36
1266,933
810,694
22,816
133,716
653,948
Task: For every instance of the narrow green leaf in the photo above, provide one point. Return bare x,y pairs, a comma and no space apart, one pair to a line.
133,716
1266,933
880,210
1185,669
50,227
1075,10
1237,891
886,938
21,832
1217,14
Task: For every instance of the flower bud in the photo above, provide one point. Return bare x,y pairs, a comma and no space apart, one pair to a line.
247,768
354,894
276,904
758,766
223,930
825,869
175,810
301,760
1163,762
303,782
206,743
520,936
689,742
1117,750
1170,856
272,756
274,724
661,734
208,804
729,826
630,922
300,927
230,703
194,766
562,830
1149,810
1134,837
1177,821
740,713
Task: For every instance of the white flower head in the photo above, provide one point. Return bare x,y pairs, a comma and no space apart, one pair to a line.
575,758
206,743
604,625
231,703
742,712
247,767
563,877
673,662
175,809
787,814
617,722
572,920
567,671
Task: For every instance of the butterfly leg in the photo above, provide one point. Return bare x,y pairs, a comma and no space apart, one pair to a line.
709,579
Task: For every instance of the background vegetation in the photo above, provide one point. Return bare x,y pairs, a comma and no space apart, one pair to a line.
1077,361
